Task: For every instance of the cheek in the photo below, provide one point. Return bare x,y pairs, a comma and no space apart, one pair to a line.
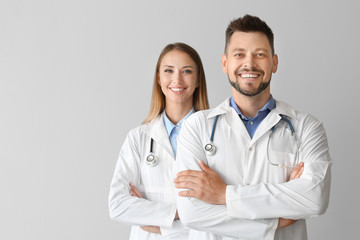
194,82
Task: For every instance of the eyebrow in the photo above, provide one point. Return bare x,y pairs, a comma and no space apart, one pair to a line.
170,66
238,50
262,49
167,66
243,50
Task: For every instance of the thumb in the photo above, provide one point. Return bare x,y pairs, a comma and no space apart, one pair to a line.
204,167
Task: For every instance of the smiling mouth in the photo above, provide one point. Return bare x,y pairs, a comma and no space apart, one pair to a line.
249,75
177,89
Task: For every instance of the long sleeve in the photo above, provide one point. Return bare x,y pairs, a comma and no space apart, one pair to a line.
305,197
133,210
213,218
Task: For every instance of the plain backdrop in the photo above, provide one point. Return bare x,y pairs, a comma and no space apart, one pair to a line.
76,76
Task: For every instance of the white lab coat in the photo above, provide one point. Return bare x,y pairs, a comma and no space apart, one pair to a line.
257,192
155,183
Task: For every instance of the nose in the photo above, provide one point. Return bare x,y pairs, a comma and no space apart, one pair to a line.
177,77
249,62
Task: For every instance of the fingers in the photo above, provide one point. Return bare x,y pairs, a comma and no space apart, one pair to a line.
188,193
187,185
285,222
189,173
300,173
152,229
134,192
297,171
204,167
188,178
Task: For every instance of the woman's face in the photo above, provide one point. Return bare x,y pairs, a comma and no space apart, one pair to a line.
178,78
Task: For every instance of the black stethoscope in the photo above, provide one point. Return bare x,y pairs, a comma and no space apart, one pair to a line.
151,159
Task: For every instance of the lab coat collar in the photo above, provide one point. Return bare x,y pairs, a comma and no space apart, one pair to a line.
232,118
157,131
281,109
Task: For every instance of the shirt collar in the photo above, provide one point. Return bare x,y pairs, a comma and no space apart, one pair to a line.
169,125
271,104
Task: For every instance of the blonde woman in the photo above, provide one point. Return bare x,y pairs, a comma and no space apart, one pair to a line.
142,192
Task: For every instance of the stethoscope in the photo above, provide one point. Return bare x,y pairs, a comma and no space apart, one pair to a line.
210,148
151,159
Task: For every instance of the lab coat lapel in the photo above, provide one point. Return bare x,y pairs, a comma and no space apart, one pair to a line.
232,118
273,118
157,131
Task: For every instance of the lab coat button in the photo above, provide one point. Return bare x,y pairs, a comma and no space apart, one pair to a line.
250,148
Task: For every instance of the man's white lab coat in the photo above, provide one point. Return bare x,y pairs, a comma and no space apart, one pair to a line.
257,192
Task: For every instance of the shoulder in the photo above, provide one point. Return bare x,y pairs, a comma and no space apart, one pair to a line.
144,129
208,115
304,121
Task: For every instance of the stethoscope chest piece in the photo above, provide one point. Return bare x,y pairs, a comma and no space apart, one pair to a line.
210,149
151,160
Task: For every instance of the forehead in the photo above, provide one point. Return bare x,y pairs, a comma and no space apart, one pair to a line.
178,58
249,40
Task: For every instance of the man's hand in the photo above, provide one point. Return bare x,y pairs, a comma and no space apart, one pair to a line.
295,173
205,185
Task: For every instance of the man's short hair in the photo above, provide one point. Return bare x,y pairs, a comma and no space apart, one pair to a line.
249,23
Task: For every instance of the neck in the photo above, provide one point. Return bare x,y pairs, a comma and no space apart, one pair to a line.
175,112
249,106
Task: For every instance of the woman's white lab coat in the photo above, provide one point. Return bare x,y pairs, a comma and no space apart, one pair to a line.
158,208
257,193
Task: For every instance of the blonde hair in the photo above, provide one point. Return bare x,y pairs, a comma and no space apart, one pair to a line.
200,98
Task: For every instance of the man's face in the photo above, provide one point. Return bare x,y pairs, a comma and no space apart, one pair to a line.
249,63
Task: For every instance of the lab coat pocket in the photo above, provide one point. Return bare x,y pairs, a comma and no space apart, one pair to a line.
282,159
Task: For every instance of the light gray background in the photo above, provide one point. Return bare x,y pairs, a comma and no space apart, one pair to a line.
76,76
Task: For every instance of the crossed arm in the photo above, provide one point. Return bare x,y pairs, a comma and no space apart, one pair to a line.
207,185
297,199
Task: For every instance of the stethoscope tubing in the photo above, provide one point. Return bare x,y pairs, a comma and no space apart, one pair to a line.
210,148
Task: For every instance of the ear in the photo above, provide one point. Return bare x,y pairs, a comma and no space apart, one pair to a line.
275,63
224,63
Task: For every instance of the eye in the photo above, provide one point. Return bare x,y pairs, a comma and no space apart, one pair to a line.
239,55
187,71
168,70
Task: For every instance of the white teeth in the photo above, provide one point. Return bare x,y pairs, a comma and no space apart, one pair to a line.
177,89
248,75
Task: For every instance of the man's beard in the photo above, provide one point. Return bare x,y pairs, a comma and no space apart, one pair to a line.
262,87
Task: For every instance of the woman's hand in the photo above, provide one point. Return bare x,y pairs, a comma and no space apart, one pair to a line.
152,229
295,173
135,193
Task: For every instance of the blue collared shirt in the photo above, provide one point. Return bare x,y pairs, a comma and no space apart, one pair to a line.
173,130
252,124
